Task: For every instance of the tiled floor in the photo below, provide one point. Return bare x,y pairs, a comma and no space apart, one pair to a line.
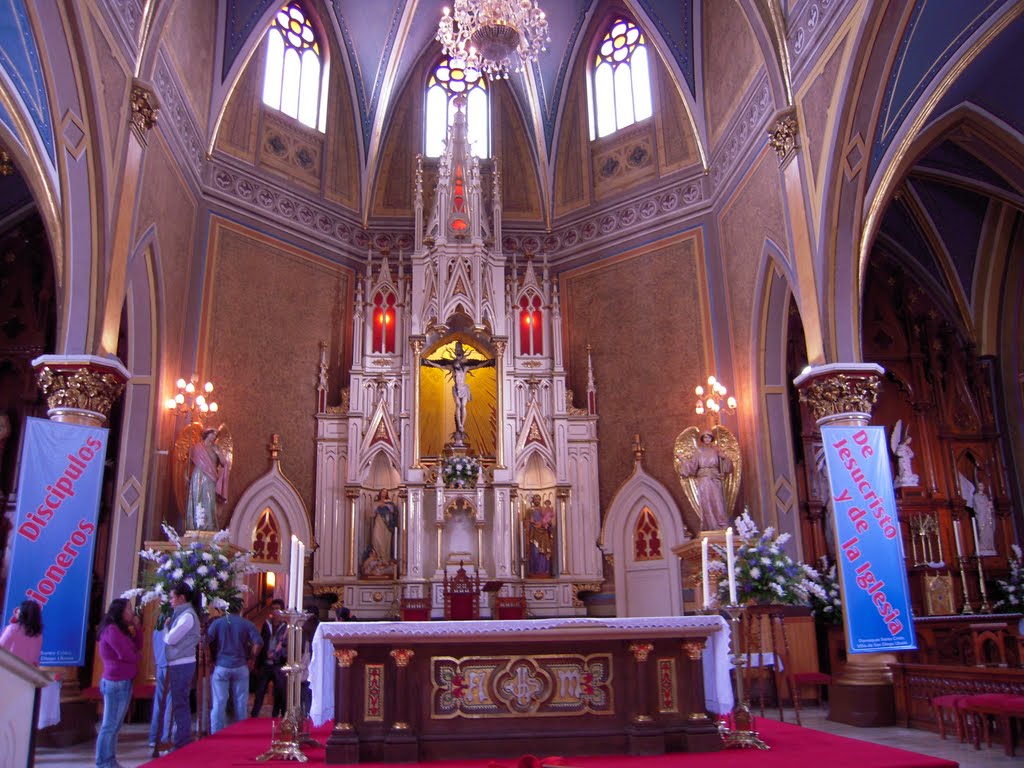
133,751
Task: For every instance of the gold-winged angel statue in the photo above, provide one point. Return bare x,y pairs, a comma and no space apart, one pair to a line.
709,467
202,463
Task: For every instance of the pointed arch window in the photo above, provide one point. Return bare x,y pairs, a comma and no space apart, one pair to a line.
620,80
449,79
295,77
531,325
384,322
647,536
266,538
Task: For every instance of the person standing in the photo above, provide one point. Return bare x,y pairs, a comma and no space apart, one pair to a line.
24,635
233,641
180,649
160,727
120,647
270,660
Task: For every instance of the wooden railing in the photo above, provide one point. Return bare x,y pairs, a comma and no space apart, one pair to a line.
917,684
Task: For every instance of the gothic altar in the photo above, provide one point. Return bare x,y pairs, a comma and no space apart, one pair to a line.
457,365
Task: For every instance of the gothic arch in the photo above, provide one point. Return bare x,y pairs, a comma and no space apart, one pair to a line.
633,579
275,491
778,485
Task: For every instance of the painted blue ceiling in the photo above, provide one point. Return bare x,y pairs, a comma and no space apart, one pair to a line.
19,59
370,29
958,215
936,31
950,157
898,224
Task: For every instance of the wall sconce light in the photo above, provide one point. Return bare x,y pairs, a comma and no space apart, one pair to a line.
192,400
714,400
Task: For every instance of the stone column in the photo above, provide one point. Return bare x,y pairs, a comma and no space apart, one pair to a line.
79,389
844,394
645,738
400,744
343,743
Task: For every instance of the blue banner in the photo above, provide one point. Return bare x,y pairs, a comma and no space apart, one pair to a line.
55,532
873,576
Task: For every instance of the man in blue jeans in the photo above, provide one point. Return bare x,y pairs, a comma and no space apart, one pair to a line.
180,649
160,726
234,641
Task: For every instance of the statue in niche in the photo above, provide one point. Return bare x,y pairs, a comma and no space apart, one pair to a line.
709,467
985,518
904,454
539,522
457,367
379,555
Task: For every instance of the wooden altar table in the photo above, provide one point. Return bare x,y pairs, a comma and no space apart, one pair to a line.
408,691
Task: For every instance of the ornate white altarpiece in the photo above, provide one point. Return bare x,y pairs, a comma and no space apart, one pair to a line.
457,354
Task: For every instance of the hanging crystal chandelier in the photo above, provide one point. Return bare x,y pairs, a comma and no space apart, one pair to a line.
487,34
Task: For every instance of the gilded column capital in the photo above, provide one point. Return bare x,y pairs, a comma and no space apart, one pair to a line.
346,656
416,343
499,346
641,651
402,656
782,135
145,105
6,164
840,391
693,648
80,390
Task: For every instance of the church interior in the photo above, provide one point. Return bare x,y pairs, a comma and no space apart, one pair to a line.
452,321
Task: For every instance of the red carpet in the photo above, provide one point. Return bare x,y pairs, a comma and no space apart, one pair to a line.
240,744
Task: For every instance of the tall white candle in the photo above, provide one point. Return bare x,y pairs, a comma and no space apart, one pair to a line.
956,538
292,577
974,527
704,572
300,570
731,565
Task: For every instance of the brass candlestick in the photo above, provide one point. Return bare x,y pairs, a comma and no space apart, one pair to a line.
985,607
742,734
963,583
286,743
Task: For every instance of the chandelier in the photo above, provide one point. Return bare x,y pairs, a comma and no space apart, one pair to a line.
486,34
191,401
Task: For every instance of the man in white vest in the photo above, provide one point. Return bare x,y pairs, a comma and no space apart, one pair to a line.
181,641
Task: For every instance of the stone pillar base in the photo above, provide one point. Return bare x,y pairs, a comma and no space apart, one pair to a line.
863,706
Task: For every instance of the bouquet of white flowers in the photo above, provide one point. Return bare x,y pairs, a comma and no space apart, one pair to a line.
827,610
1012,588
764,572
211,569
460,472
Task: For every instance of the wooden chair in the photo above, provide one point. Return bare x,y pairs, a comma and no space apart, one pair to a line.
462,596
819,680
949,704
510,607
1004,709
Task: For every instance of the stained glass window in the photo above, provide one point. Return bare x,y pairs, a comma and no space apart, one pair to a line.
647,537
295,78
266,539
448,80
531,325
620,82
384,322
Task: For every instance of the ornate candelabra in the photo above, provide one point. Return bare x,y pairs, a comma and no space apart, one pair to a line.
740,734
287,741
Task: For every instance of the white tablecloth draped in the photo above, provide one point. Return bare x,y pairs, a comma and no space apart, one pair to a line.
718,695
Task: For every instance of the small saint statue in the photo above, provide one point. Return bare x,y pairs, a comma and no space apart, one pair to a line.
904,454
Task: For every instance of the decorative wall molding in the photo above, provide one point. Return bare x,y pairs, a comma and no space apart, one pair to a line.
746,129
807,28
179,125
125,17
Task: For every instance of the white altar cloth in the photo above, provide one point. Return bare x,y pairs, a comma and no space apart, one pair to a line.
718,696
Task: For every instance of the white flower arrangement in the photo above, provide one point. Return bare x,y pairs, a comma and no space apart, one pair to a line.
211,569
1012,588
764,572
827,609
460,472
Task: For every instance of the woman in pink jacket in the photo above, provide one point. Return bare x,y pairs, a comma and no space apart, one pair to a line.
24,635
120,648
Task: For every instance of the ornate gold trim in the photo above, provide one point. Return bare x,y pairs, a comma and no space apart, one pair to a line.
782,135
80,387
840,393
693,649
346,656
6,164
402,656
593,586
641,651
145,106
